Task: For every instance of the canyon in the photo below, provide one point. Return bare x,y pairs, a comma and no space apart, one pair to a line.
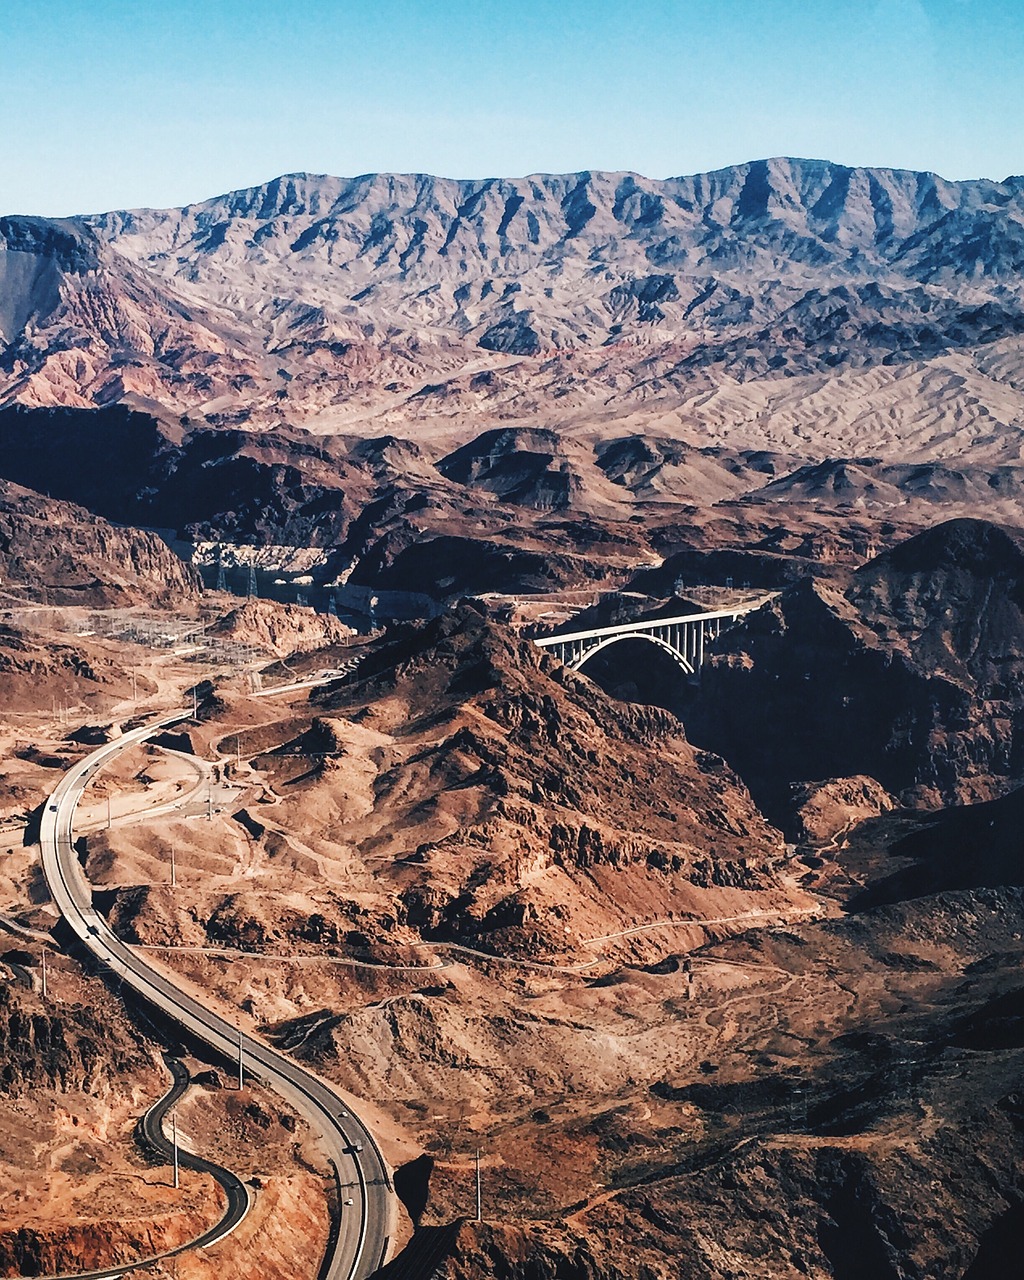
711,973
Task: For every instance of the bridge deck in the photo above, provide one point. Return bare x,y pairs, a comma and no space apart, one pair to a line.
651,624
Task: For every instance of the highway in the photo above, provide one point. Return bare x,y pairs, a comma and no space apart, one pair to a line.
152,1135
309,682
362,1231
150,1132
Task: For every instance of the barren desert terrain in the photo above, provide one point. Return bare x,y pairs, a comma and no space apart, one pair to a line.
704,969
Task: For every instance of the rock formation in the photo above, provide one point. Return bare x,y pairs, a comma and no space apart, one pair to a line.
280,628
58,553
913,674
853,311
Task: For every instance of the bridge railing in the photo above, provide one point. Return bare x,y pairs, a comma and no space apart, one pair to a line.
652,624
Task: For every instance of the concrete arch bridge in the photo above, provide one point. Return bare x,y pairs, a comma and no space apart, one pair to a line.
684,638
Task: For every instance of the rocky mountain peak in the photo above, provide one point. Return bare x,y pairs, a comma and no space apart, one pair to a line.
390,298
68,244
979,547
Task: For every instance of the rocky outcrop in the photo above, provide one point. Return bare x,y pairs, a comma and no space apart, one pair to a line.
474,1250
75,557
523,467
34,1251
280,628
823,810
912,675
67,1052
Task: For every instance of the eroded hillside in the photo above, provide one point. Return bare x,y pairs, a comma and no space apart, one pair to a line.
784,304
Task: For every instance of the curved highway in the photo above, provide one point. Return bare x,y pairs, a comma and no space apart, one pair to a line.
151,1134
361,1230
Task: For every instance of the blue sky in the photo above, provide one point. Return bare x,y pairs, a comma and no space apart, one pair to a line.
119,103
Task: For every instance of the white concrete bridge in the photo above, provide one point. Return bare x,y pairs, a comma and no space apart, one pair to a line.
683,638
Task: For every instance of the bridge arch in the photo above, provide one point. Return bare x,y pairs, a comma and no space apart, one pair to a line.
679,658
683,638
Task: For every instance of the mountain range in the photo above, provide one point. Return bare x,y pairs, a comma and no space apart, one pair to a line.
721,975
796,305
